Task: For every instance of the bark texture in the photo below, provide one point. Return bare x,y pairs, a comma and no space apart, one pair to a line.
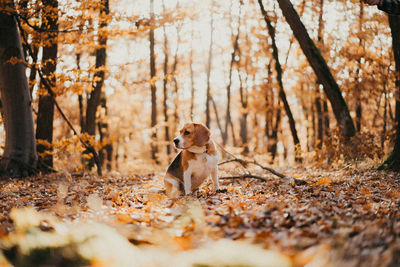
19,158
393,161
45,117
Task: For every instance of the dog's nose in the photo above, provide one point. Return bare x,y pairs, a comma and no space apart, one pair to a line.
176,141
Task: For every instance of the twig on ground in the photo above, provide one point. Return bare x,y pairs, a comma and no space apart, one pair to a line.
243,176
248,174
244,163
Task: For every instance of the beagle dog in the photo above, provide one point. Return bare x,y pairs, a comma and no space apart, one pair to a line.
197,160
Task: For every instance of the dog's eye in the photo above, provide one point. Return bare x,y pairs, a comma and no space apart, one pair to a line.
186,133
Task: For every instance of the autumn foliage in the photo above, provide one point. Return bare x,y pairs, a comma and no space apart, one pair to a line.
111,83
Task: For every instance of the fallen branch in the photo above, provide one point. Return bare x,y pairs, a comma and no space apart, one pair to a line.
244,176
244,163
248,174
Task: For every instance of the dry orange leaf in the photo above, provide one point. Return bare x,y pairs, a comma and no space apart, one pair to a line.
124,218
324,181
184,242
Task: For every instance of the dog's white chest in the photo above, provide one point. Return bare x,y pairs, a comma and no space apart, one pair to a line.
201,167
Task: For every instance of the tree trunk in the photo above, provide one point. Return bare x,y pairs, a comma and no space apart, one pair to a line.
384,126
235,52
271,129
93,100
173,75
393,161
216,114
326,116
19,158
208,98
307,110
191,75
105,153
80,98
273,135
314,124
282,93
154,148
243,133
317,100
321,69
244,103
165,93
98,78
254,123
318,111
357,89
45,117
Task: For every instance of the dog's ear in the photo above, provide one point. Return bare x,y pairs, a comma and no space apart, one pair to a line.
201,134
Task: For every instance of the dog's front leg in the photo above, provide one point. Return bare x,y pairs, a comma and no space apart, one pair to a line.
187,181
214,176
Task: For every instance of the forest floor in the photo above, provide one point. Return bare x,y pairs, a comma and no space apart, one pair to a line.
343,217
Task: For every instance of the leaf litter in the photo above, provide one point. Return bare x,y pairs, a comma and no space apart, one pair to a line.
346,217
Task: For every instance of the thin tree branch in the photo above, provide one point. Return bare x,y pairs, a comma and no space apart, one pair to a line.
244,176
244,163
248,174
39,29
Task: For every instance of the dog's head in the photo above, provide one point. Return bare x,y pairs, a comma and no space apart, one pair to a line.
192,135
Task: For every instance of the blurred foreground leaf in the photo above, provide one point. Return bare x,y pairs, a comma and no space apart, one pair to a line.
40,240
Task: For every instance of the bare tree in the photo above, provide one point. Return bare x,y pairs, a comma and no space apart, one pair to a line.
282,93
94,97
154,148
105,153
19,158
393,161
165,93
80,97
209,63
244,99
318,98
191,75
357,89
234,55
45,117
321,69
272,110
173,71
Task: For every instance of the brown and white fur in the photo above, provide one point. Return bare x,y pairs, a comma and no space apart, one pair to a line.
197,160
